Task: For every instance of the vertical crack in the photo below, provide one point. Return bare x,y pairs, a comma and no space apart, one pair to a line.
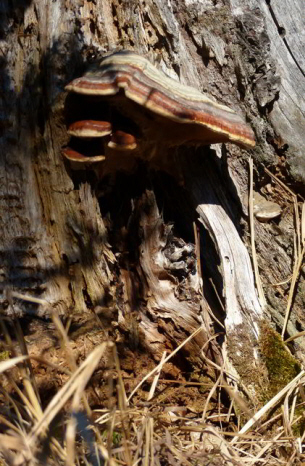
280,31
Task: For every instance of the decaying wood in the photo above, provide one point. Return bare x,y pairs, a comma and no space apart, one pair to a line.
277,41
211,201
60,241
170,304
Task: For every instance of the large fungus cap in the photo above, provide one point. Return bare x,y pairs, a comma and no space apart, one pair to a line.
187,115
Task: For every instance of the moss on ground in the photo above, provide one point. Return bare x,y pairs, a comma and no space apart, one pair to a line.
282,367
4,355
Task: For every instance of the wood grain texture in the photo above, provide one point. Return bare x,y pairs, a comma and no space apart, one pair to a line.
243,310
279,82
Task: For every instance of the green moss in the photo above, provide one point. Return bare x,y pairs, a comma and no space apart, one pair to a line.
299,427
282,367
116,437
4,355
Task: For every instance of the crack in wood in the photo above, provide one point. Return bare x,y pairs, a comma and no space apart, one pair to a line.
280,29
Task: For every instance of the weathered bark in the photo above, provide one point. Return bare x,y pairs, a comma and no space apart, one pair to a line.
81,244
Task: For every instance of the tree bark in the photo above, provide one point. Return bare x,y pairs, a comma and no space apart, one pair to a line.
87,247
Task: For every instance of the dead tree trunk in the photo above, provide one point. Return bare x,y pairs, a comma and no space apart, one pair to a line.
123,248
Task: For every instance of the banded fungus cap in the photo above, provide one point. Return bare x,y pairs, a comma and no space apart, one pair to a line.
187,115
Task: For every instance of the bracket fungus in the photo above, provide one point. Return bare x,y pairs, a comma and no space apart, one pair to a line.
90,129
124,103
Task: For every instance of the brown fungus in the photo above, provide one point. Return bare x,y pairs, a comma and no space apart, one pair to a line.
90,129
161,109
122,141
75,156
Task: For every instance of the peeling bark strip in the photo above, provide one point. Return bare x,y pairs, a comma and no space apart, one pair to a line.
203,120
210,197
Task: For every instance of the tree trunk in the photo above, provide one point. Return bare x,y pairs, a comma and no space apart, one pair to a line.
147,259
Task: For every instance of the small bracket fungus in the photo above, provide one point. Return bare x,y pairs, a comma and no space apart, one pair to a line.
75,156
90,129
138,108
265,210
122,141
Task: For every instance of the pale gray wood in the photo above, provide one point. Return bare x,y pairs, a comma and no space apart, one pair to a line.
283,22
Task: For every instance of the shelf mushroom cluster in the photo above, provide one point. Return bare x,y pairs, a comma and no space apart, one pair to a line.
124,102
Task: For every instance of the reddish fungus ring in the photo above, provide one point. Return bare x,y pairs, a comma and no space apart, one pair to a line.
166,111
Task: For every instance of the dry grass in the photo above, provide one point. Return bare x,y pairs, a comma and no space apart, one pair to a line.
259,287
299,245
299,249
142,433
